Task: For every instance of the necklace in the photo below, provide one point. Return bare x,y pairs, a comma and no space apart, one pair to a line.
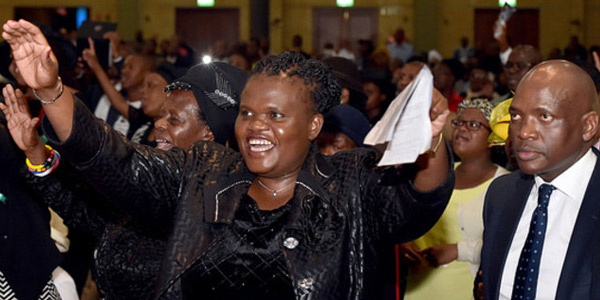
274,191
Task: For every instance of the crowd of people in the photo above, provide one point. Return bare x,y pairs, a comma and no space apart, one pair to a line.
248,177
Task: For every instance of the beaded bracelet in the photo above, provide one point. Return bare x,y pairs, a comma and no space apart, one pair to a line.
62,88
47,167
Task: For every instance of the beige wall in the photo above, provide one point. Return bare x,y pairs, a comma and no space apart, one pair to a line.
158,16
153,17
291,17
559,19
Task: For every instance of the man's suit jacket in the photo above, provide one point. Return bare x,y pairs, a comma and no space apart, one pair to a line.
504,204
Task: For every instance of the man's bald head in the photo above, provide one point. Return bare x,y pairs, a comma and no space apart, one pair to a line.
567,81
554,118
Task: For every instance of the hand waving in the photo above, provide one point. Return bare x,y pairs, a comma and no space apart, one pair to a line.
32,54
21,125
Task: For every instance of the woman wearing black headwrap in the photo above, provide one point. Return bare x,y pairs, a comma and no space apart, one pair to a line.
129,250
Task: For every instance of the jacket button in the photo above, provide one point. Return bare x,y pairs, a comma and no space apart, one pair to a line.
290,243
305,283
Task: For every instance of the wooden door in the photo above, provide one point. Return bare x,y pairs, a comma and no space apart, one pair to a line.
334,25
523,27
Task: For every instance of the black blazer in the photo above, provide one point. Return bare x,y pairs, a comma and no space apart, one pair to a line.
504,204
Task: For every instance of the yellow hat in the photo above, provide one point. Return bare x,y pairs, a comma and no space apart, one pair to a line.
499,121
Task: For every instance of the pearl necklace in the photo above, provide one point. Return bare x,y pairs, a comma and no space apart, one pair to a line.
274,191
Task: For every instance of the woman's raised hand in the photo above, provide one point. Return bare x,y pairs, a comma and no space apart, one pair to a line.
32,54
21,125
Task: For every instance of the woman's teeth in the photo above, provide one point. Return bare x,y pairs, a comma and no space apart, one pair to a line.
260,145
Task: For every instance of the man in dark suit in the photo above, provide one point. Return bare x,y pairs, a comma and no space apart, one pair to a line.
542,231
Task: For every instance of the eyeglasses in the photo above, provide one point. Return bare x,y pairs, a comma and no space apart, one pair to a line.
471,125
519,65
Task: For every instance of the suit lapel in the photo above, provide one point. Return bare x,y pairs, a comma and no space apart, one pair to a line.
578,258
506,225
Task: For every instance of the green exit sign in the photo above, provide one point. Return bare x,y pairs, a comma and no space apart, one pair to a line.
511,3
345,3
205,3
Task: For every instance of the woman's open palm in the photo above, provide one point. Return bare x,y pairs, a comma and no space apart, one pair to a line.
32,54
20,124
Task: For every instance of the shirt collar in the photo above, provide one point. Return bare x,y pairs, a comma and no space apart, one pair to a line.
569,182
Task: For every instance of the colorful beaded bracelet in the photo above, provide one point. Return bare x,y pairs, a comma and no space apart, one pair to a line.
47,167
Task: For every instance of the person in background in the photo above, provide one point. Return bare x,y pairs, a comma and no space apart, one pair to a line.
345,128
240,59
380,93
444,76
348,77
153,99
463,53
433,58
407,74
365,48
112,104
481,85
574,51
445,260
400,48
521,59
297,45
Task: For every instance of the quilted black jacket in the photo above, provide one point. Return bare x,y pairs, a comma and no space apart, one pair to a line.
345,211
127,254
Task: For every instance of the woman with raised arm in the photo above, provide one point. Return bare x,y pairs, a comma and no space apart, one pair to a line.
128,252
276,221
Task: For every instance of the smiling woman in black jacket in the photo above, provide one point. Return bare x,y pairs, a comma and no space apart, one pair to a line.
277,220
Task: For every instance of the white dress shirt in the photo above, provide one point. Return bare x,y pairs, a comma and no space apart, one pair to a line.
563,209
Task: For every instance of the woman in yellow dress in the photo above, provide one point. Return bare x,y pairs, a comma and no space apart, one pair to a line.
446,258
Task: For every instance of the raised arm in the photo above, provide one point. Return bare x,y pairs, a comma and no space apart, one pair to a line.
433,165
140,180
63,196
403,203
39,68
22,126
116,99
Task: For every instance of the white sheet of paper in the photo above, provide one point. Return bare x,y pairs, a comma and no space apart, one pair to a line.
405,126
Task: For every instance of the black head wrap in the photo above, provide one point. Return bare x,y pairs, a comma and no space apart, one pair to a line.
217,87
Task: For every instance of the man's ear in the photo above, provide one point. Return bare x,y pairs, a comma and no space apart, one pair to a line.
316,123
590,126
